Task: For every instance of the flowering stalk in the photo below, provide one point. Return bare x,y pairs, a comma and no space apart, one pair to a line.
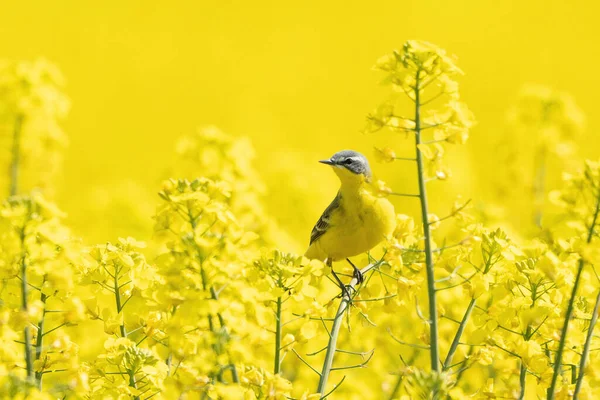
234,373
213,293
204,278
24,293
39,343
120,307
523,367
544,125
335,329
416,69
14,184
16,155
586,347
277,366
522,379
569,313
394,393
433,319
214,296
459,332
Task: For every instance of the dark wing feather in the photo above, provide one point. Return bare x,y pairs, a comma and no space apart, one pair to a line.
323,223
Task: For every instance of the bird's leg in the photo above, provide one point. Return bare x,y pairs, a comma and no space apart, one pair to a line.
356,274
337,278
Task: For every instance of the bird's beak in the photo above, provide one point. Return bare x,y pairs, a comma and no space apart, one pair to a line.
328,162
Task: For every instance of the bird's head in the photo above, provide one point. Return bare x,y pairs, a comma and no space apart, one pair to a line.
350,166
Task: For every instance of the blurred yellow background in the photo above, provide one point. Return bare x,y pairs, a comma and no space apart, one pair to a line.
296,78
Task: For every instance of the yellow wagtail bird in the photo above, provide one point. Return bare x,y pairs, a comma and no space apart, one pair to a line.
356,220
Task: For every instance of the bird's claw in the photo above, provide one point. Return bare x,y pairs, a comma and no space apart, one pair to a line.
358,276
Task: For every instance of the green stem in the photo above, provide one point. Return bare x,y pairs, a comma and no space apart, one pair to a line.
522,376
565,328
24,293
277,367
562,342
132,382
396,387
528,334
433,319
203,276
400,379
214,295
459,332
39,344
586,347
16,155
118,301
211,325
335,329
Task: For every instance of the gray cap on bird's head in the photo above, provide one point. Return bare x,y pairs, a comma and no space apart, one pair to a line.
352,160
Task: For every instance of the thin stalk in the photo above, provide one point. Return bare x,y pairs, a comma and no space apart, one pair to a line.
433,319
586,347
459,332
528,334
335,329
569,314
563,335
277,367
205,287
118,300
398,384
14,185
396,388
24,293
132,382
522,376
215,296
203,276
169,360
16,155
39,344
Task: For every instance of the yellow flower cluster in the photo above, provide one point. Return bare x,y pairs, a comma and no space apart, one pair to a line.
38,299
223,158
32,108
538,145
425,75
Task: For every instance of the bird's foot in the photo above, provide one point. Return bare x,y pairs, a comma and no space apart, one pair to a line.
358,276
356,273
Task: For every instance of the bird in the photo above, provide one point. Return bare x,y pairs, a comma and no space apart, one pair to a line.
357,219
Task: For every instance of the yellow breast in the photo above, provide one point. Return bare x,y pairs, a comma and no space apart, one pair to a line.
361,222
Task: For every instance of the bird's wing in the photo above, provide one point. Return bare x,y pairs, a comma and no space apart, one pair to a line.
324,222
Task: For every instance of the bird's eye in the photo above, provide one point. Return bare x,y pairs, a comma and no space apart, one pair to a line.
348,161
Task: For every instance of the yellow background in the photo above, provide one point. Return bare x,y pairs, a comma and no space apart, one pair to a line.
294,77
